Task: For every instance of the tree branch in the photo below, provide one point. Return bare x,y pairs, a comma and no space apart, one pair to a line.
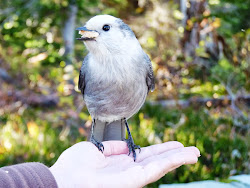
210,102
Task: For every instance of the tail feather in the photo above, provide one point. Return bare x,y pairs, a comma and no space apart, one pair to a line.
104,131
114,131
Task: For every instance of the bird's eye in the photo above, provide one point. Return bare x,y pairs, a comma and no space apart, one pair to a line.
106,28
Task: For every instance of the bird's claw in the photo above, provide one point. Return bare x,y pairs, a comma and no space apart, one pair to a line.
99,145
132,147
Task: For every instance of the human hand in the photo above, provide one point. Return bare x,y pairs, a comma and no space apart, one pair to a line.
83,165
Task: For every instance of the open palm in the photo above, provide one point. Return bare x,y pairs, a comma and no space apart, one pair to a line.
83,165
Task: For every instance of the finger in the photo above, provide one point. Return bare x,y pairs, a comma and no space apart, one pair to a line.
169,153
115,148
145,174
157,169
157,149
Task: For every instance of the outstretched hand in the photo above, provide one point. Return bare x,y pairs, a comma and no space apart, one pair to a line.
82,165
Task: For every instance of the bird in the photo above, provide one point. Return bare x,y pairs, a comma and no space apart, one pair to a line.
115,78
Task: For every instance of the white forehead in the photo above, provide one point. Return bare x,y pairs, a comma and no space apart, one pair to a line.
100,20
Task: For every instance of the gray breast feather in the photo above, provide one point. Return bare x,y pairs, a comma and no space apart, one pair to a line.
110,98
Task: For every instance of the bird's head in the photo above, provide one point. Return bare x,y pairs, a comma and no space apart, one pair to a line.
106,34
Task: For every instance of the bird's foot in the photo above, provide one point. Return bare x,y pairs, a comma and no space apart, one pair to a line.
98,144
132,147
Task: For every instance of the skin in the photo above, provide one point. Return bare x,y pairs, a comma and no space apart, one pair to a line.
82,165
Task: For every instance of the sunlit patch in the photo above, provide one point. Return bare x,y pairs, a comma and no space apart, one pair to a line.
181,29
215,95
7,145
33,129
214,2
38,58
52,155
209,103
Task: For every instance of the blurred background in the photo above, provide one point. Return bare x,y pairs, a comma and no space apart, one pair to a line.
200,55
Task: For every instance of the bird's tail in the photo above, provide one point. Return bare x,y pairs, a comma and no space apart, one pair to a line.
104,131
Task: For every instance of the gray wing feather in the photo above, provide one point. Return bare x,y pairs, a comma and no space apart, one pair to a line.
81,82
150,75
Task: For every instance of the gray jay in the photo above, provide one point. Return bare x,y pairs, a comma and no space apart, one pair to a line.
115,78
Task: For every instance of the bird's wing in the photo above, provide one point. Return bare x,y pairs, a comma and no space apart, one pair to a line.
81,82
150,75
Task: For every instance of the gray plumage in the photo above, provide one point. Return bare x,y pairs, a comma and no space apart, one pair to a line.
114,95
115,76
109,131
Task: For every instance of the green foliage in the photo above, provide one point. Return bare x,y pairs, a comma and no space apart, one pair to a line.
226,73
234,13
223,152
28,138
